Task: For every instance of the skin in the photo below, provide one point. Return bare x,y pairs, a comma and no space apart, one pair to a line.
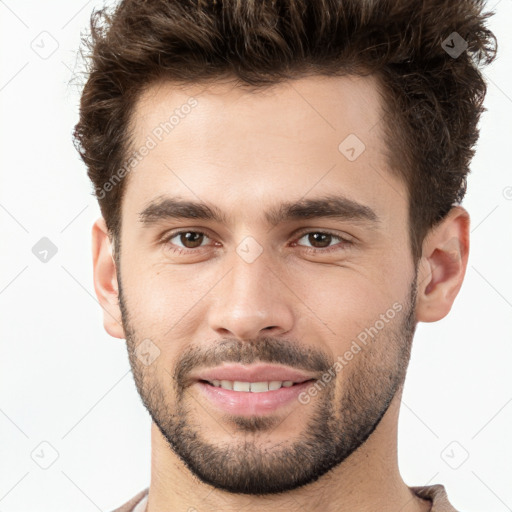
245,152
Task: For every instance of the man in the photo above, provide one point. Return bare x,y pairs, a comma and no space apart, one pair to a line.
280,187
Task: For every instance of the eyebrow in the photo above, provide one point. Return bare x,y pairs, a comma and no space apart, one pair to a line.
330,206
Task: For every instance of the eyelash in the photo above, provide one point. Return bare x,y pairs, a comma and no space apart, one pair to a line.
179,250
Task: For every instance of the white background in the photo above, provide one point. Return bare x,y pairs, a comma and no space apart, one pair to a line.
65,382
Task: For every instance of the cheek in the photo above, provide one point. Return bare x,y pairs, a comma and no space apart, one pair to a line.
166,305
351,297
157,290
353,307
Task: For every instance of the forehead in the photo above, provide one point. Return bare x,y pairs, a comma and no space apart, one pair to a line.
223,143
298,110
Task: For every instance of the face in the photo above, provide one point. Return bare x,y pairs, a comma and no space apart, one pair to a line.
261,245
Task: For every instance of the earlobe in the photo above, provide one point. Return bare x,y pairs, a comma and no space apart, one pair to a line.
105,279
443,266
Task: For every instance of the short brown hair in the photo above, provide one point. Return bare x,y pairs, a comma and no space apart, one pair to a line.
433,99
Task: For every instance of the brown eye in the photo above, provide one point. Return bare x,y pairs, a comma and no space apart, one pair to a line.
191,239
184,240
322,241
319,240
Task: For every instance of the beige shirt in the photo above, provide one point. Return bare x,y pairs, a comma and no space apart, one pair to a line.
435,493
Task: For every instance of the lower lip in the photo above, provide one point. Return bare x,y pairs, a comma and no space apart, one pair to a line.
248,403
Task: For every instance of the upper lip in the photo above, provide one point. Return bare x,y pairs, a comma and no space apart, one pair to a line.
253,373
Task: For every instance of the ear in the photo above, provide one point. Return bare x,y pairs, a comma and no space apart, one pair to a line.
442,266
105,279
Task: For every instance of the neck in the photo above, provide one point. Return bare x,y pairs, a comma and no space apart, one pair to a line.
368,480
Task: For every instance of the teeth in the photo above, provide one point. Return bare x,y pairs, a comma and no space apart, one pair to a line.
226,384
258,387
241,386
254,387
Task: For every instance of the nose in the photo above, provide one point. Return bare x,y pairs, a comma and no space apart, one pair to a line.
251,301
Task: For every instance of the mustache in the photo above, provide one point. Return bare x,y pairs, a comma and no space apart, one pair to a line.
262,350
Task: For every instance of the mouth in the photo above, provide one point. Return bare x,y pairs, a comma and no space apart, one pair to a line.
253,387
258,389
